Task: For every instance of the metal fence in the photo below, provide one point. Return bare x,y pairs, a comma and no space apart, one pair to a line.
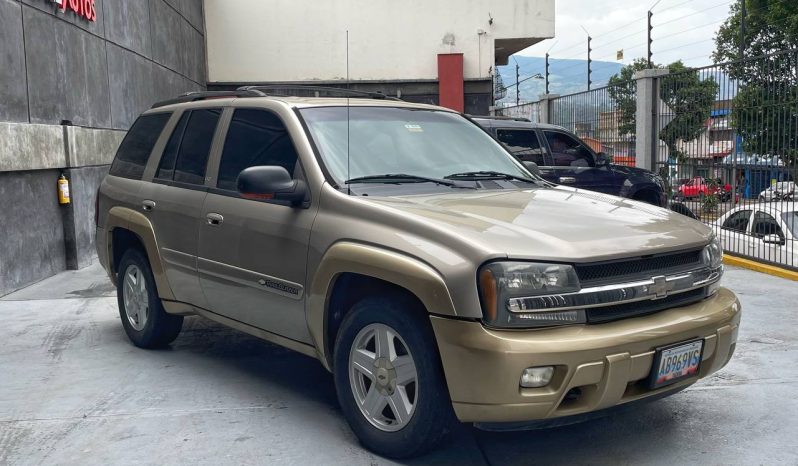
530,111
727,145
603,118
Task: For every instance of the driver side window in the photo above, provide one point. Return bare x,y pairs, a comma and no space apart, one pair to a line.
738,221
256,137
567,151
765,225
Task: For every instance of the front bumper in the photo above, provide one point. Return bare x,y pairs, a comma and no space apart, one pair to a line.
609,363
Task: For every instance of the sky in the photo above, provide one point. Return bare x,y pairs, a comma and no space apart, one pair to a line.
683,29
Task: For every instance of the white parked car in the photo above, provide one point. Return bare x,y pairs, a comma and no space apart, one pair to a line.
778,191
762,231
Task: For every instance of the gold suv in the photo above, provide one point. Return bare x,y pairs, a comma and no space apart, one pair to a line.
434,275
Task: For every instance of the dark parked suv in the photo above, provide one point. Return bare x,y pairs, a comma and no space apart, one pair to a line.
565,159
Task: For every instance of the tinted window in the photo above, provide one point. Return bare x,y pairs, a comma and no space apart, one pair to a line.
166,168
737,221
131,158
567,151
522,143
192,157
255,137
791,219
764,225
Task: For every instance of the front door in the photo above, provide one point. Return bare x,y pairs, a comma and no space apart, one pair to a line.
253,254
765,225
735,235
573,164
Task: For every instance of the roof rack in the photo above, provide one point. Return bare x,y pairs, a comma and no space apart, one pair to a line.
205,95
298,90
498,117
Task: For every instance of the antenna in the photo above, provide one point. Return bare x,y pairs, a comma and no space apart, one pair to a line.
348,170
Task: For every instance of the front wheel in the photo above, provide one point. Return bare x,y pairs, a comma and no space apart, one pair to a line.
389,379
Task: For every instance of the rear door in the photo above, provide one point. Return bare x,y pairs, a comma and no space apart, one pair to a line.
252,253
523,143
735,234
174,199
574,164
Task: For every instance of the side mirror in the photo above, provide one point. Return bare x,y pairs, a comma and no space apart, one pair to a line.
773,239
602,160
532,167
271,183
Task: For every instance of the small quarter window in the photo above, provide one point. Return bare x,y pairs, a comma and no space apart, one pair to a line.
135,149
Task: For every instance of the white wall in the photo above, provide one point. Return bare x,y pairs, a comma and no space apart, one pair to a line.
301,40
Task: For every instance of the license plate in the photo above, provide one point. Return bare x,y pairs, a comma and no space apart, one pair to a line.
675,363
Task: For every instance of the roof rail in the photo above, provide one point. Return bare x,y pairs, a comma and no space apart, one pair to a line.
298,90
499,117
205,95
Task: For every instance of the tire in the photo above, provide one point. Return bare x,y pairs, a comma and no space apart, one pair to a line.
430,416
142,313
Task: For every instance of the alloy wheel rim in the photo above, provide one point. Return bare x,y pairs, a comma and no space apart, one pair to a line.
383,377
135,297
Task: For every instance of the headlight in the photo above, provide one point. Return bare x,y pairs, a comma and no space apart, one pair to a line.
713,254
504,287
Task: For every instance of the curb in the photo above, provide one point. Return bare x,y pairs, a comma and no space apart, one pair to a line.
760,267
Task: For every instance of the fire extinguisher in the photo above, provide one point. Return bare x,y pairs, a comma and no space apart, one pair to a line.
63,190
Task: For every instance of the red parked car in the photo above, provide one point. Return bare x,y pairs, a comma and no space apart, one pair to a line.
700,187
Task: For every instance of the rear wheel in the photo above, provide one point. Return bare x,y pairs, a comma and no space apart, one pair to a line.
143,317
389,379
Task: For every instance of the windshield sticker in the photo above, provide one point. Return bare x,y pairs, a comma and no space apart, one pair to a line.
414,128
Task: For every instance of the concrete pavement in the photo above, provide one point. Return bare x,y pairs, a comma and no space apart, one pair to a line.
73,390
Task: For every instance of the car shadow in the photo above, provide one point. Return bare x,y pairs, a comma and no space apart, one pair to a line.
304,377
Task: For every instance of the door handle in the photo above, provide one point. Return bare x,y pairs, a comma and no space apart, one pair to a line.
567,179
214,220
147,205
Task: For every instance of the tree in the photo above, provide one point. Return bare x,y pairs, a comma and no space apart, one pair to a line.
688,98
765,109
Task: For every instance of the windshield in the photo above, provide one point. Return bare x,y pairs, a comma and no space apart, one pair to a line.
390,140
791,219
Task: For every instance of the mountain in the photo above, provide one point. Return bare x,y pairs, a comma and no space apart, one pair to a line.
567,76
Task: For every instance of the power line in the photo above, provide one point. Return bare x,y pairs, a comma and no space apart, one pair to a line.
691,14
689,30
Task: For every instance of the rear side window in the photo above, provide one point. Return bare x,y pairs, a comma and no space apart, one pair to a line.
255,137
738,221
522,143
195,146
131,158
166,168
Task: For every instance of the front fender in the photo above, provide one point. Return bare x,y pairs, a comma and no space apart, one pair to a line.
391,266
138,224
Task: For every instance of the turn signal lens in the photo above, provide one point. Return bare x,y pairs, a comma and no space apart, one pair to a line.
487,287
536,377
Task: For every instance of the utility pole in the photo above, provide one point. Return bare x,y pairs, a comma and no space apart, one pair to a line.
517,84
589,61
742,29
547,72
650,27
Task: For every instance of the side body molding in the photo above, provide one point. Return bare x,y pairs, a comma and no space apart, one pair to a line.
137,223
348,257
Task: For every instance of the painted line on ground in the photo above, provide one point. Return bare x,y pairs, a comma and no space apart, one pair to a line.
760,267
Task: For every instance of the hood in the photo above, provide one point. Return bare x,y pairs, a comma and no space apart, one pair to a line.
552,223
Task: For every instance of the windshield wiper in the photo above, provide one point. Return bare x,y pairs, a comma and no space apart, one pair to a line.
405,178
488,175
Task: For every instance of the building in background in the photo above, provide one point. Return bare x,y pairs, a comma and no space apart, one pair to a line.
440,52
74,75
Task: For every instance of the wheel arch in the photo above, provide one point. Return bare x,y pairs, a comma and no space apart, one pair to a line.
350,271
126,227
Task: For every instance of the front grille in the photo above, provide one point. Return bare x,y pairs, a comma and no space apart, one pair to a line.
642,267
600,315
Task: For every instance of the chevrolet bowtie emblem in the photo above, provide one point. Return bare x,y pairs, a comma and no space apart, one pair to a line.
660,287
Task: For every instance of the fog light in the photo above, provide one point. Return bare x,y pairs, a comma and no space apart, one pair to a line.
535,377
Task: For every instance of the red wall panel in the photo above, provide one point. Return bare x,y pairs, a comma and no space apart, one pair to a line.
450,80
